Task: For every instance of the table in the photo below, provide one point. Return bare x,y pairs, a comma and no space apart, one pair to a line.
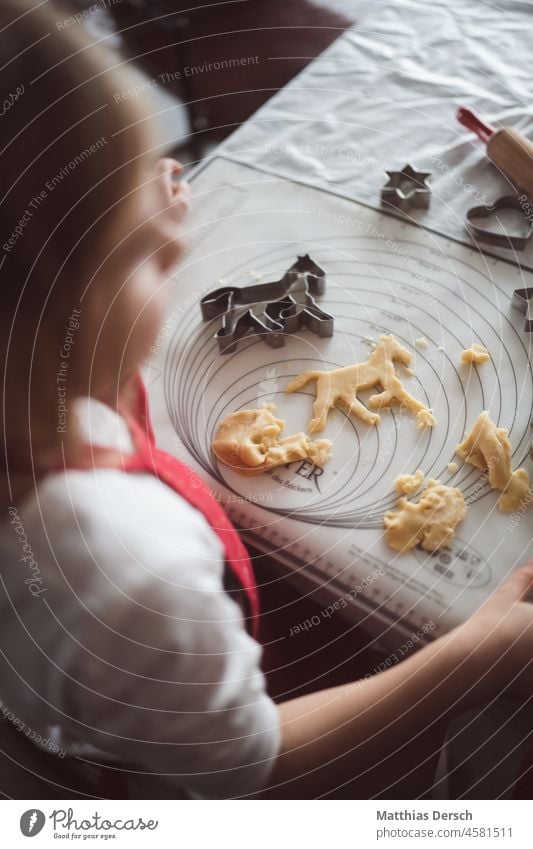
383,94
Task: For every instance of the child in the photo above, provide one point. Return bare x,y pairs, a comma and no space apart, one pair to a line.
127,601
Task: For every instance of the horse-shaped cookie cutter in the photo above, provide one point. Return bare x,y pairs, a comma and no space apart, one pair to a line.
270,309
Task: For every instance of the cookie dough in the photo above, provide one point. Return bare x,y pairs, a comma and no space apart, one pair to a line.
339,388
249,442
429,522
475,354
407,484
487,447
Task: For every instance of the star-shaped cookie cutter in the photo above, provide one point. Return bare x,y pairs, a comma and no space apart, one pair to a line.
270,309
523,300
407,189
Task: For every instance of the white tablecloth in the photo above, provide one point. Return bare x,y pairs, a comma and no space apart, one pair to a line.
386,93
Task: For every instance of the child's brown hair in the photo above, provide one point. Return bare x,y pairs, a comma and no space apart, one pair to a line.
69,158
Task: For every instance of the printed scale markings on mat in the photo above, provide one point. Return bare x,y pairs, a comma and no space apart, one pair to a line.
406,189
270,309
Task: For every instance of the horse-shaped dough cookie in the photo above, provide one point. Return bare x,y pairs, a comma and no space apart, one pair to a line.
339,388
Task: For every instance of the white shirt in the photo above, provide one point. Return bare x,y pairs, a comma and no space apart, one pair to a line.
117,639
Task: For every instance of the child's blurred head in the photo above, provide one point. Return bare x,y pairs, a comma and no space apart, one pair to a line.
82,226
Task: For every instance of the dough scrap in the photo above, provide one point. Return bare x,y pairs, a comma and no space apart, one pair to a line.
453,468
487,447
407,484
249,442
430,521
339,387
476,354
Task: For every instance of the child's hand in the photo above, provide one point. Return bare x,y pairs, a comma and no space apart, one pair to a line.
497,641
174,195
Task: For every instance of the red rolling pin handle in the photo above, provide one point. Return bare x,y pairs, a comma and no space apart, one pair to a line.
509,150
471,121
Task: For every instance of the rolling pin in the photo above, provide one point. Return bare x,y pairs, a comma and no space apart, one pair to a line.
509,150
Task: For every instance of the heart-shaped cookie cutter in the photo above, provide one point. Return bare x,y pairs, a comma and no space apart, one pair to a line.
270,309
500,240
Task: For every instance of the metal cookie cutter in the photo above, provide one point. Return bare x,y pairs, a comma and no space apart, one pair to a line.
514,241
270,309
523,300
406,189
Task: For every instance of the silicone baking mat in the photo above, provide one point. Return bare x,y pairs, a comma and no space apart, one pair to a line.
385,275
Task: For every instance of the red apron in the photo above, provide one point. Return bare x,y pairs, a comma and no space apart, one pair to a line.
171,471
